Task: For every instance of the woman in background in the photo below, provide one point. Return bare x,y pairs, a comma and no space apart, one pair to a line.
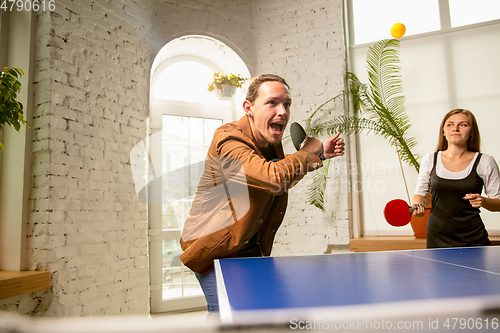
456,173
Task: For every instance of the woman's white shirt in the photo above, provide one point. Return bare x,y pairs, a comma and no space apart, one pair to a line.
487,169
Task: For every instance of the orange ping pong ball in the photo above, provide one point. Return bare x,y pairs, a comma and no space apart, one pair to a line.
398,30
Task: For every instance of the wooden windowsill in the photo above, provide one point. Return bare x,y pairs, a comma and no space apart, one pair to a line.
24,282
393,243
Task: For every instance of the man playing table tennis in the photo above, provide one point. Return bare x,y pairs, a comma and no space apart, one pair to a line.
242,195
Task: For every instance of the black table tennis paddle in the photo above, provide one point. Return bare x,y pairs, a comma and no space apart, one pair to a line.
298,134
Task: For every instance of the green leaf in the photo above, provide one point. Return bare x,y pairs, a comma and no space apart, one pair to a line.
11,111
316,190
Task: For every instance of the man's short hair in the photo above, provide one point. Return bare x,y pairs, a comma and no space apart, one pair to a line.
258,80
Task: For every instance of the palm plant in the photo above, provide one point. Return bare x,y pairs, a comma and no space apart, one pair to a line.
378,107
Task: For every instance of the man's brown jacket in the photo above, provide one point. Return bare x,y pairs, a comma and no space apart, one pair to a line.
235,196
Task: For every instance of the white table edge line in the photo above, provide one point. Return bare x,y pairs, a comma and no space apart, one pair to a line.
225,310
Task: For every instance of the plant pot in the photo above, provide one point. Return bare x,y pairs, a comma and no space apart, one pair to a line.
419,224
227,91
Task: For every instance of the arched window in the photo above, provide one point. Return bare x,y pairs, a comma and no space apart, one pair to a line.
184,116
184,80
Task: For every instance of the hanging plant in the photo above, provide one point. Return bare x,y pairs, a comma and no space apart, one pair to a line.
11,111
225,85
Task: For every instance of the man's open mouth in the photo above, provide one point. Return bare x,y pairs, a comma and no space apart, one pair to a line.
277,127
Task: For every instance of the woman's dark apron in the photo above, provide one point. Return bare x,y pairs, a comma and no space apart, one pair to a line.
453,222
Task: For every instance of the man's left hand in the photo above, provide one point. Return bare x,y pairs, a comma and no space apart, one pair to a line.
334,146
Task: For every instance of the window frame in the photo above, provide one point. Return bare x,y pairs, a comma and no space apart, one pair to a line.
17,42
360,226
444,16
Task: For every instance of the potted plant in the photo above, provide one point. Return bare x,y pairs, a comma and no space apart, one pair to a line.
378,107
225,85
11,111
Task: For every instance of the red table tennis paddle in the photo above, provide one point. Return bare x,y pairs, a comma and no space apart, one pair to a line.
397,212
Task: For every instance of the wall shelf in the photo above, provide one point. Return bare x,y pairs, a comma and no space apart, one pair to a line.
393,243
24,282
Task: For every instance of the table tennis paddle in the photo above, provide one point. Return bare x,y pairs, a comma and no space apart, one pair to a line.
397,212
298,134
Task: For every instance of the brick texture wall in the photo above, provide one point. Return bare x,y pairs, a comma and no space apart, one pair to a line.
303,41
90,105
93,61
228,21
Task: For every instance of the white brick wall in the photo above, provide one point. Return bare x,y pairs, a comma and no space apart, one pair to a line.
91,100
303,41
229,21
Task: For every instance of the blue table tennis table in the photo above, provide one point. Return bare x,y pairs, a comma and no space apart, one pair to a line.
336,289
